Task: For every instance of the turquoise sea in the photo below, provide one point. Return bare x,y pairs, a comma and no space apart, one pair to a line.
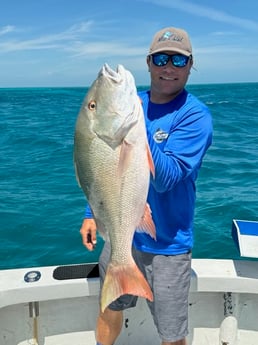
41,205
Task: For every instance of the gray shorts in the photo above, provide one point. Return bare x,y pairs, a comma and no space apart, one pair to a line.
169,278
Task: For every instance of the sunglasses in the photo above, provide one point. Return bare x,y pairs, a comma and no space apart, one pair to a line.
178,60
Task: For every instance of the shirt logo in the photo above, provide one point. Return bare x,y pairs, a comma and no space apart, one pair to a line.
160,136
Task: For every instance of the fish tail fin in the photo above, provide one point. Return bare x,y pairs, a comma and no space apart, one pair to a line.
121,280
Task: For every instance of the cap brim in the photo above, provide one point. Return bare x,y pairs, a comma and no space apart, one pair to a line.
174,50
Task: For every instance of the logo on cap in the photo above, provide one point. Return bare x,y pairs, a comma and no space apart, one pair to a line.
170,36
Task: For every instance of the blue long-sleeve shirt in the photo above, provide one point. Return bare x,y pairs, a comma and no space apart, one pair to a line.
179,134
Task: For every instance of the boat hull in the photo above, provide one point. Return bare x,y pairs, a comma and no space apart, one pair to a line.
223,306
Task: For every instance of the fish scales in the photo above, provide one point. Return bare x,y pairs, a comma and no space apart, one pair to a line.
113,164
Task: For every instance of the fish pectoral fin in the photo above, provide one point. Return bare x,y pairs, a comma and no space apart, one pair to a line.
124,157
121,280
147,225
150,160
76,175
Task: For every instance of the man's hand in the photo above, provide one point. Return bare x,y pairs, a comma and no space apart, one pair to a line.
88,232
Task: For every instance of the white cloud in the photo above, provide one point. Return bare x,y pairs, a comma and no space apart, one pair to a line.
75,41
6,29
105,48
51,41
207,12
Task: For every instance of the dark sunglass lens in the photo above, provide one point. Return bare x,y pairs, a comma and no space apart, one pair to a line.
179,60
160,59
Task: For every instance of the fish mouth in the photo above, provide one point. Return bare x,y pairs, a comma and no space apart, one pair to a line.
117,75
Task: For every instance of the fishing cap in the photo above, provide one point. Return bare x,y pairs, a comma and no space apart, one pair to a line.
171,39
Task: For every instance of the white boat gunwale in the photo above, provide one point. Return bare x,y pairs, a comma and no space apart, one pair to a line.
223,304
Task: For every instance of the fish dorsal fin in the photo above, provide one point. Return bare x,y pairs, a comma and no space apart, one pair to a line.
147,225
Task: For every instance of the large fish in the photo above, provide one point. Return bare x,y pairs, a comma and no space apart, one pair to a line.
113,164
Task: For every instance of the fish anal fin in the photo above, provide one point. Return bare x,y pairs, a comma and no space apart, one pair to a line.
147,225
121,280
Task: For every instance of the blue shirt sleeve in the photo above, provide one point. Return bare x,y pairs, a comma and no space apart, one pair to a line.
88,212
189,134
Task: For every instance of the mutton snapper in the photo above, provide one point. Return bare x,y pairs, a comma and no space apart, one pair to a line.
113,164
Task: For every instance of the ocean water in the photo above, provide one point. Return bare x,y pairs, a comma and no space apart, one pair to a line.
42,207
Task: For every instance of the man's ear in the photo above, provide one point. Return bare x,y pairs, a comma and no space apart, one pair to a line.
192,61
148,60
192,64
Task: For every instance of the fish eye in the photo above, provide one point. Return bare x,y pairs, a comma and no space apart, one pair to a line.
92,105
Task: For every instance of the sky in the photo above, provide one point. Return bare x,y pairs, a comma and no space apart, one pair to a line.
65,42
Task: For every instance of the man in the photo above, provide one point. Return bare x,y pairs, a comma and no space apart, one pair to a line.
179,129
